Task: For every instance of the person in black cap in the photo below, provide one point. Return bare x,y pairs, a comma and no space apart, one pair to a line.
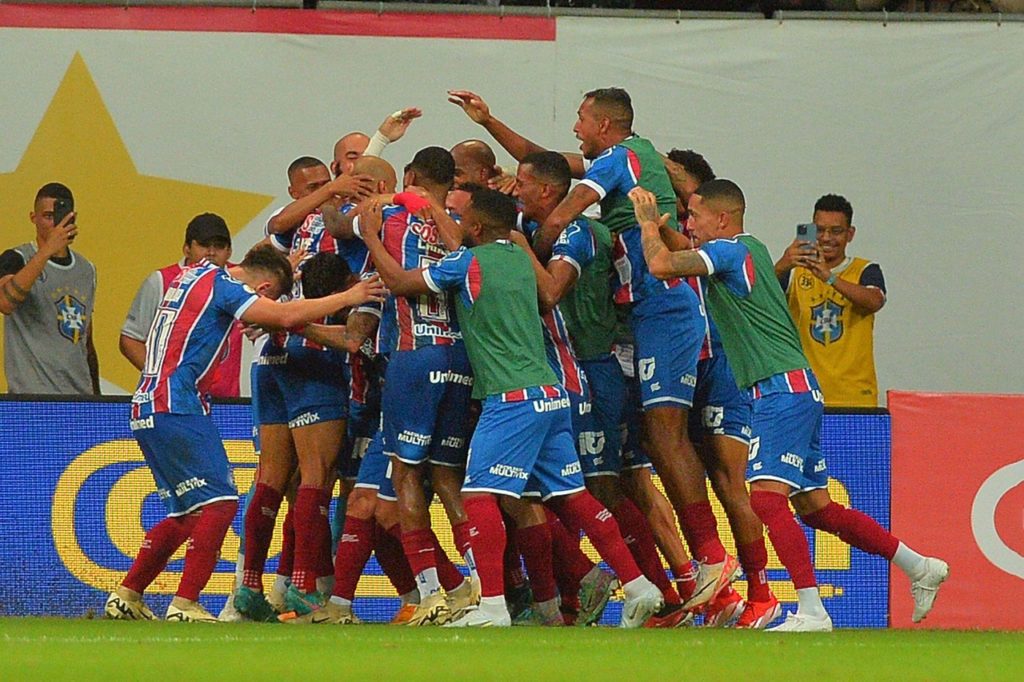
206,237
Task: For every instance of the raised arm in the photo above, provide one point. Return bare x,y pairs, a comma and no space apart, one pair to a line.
661,262
512,142
352,186
553,281
14,288
579,199
272,315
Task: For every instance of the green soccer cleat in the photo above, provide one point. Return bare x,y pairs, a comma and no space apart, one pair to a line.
596,589
253,604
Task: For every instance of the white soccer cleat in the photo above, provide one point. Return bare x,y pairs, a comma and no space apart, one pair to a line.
797,622
192,612
712,579
926,588
463,598
481,618
229,614
122,608
640,606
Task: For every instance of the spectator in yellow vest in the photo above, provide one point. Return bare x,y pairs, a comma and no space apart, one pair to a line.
833,299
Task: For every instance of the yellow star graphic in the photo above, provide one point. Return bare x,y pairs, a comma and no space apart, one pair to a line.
129,223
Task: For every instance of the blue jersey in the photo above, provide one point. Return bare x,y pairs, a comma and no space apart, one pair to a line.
411,322
184,343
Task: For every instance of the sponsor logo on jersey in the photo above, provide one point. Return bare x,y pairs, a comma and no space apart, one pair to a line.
139,424
414,438
185,486
585,408
551,405
827,322
453,442
571,469
304,419
276,359
420,329
792,460
451,377
509,471
688,380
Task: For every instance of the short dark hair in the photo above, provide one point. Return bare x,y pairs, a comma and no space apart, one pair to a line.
468,187
55,190
324,274
435,164
616,103
721,189
835,203
551,167
304,162
693,163
496,211
269,260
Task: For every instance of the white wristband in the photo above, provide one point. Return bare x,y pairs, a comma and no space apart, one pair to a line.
377,144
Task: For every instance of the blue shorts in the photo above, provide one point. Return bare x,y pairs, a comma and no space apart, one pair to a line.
300,387
525,447
425,402
599,439
631,429
667,348
785,444
720,408
186,455
363,423
253,390
375,468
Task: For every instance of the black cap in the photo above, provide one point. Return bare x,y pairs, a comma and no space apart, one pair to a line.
206,228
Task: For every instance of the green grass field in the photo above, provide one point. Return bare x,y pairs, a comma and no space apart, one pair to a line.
32,648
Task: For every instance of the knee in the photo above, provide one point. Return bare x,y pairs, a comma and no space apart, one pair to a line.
769,505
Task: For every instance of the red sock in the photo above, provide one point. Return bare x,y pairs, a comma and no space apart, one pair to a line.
325,559
160,543
788,540
419,549
599,525
570,563
855,528
287,559
513,576
354,550
309,519
637,535
391,558
204,548
686,580
259,531
488,542
535,544
754,558
448,574
702,527
461,533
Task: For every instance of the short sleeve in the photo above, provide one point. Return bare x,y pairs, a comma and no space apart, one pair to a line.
617,168
575,246
10,262
784,280
731,262
140,315
872,277
451,271
231,296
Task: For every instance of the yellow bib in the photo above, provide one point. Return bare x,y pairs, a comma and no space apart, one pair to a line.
837,339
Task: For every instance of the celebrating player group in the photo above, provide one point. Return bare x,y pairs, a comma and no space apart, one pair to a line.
480,336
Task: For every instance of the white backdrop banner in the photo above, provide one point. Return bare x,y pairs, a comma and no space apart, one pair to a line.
153,115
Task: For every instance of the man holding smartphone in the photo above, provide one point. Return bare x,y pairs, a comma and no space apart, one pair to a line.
833,299
47,292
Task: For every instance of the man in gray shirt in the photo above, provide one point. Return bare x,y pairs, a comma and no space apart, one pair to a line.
47,292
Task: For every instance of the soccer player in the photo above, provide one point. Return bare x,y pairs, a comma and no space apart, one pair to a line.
666,317
785,456
496,304
474,163
170,416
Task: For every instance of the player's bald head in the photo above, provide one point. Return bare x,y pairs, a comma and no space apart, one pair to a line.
347,150
378,169
474,162
722,195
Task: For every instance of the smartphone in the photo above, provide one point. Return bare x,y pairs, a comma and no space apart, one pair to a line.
61,208
807,232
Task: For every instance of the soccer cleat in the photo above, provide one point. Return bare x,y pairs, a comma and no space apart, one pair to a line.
253,605
463,598
518,599
712,579
276,596
298,603
191,612
596,589
544,614
229,614
481,618
758,614
926,588
432,611
120,608
725,609
329,613
404,614
670,616
797,622
641,606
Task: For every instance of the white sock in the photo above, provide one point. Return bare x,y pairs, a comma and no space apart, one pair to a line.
239,569
909,561
635,586
410,597
494,606
325,585
341,601
428,583
810,603
280,584
471,564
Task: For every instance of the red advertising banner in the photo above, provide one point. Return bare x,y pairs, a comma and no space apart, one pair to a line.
958,493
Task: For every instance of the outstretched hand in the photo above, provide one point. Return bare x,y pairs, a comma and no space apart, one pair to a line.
474,106
395,125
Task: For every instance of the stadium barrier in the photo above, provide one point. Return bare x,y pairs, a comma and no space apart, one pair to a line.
78,498
958,491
